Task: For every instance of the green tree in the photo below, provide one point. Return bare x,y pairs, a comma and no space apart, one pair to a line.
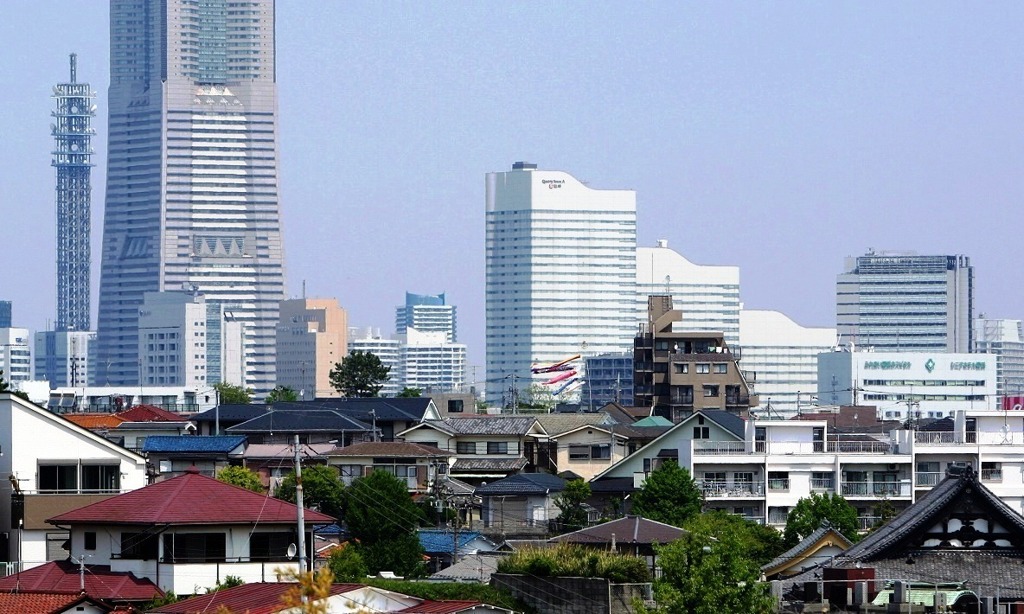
410,393
884,511
321,489
360,374
5,387
282,394
668,495
230,394
704,573
573,516
241,477
347,564
761,543
382,518
806,517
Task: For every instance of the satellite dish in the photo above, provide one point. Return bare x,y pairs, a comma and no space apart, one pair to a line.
292,550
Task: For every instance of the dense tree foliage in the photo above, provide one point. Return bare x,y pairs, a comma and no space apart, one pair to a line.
382,518
570,502
575,561
668,495
410,393
322,490
706,573
360,374
242,477
808,513
230,394
759,542
282,394
347,564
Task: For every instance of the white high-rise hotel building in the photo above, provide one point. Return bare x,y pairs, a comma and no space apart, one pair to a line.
560,272
192,200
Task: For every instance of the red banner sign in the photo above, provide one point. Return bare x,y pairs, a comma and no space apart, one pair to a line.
1013,403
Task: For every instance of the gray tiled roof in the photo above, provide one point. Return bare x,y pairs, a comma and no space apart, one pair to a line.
628,530
805,544
727,420
471,568
300,421
523,484
463,465
556,424
488,425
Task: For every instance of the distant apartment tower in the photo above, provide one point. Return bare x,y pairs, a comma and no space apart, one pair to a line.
187,340
560,272
64,358
780,361
5,314
609,379
427,313
430,363
679,373
707,296
386,349
72,153
192,189
903,302
15,354
1004,339
312,337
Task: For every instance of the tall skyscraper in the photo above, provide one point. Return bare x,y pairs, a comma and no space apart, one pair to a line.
707,296
903,302
5,314
560,272
72,153
192,199
1004,339
427,313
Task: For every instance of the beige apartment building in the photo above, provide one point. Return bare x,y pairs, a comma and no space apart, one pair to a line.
312,336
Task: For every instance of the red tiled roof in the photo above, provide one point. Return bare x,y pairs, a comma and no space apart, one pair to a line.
149,413
188,499
255,598
94,421
440,607
62,577
40,603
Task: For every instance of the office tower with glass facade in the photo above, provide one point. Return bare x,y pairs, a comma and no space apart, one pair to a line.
904,302
312,337
192,191
427,313
560,273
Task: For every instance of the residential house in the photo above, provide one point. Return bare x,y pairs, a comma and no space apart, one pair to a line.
173,455
485,447
475,568
66,578
388,415
311,425
579,446
440,545
632,535
52,603
817,549
521,504
52,465
415,464
268,598
213,421
273,461
188,532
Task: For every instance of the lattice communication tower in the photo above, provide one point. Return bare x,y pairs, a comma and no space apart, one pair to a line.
72,134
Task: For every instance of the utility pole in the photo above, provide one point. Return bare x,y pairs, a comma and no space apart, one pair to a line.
298,502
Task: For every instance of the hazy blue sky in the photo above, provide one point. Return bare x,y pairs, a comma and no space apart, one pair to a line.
779,137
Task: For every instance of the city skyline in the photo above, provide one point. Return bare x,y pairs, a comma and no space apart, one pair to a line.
780,140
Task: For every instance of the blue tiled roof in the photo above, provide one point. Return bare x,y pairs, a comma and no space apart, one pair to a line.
192,443
524,484
438,540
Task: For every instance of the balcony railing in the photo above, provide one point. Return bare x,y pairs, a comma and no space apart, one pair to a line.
867,522
713,489
875,489
927,478
991,475
826,484
859,447
935,438
718,447
778,484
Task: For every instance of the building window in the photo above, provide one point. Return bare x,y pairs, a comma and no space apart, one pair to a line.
497,447
701,432
681,367
101,478
710,391
194,548
58,478
455,406
89,537
270,546
139,546
721,367
466,447
57,546
778,480
586,453
991,472
703,368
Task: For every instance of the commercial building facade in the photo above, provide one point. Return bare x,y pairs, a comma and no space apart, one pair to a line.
1005,340
427,313
192,193
312,337
15,354
904,302
63,358
560,272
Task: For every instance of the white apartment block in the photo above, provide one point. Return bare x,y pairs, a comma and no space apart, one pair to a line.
185,340
908,384
386,349
428,362
427,313
708,296
1005,340
780,359
761,468
560,272
15,354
